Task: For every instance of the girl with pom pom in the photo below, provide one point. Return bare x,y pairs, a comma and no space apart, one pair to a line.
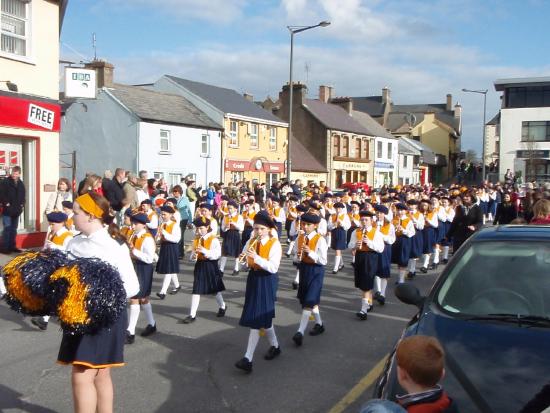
93,355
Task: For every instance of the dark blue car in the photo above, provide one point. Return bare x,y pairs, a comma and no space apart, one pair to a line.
490,309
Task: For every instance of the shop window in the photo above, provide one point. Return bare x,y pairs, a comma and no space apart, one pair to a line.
270,179
537,131
237,176
14,35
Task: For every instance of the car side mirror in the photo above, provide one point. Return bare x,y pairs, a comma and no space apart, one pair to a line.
409,294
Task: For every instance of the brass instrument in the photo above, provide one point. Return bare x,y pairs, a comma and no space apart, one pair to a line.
195,252
399,229
301,250
252,245
363,236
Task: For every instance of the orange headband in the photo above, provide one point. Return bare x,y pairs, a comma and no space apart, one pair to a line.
87,203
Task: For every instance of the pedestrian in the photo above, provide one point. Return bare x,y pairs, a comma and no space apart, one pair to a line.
152,217
429,233
506,211
168,261
338,226
312,257
93,355
92,182
468,219
277,213
404,239
55,200
207,277
541,212
184,208
232,224
12,200
263,254
417,242
383,272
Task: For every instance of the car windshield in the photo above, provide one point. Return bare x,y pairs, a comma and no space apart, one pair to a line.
499,278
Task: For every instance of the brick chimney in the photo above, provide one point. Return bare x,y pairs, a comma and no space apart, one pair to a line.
344,102
325,93
449,105
458,116
386,98
104,72
299,97
248,97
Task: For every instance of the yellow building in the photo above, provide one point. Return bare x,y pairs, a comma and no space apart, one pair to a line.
29,109
254,140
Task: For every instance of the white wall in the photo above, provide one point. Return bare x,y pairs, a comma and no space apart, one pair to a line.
184,156
510,136
406,172
385,158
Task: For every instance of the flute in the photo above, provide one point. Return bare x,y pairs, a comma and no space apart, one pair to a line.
362,240
301,250
197,243
252,245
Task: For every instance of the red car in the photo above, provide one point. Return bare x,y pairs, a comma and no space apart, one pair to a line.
354,186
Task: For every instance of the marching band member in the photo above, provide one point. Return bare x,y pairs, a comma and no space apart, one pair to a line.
173,202
291,216
205,211
142,250
207,277
57,238
387,230
429,232
338,225
312,253
248,218
449,215
327,211
152,217
168,263
68,210
441,229
222,209
404,233
231,226
297,231
277,214
418,240
368,243
126,230
355,221
263,258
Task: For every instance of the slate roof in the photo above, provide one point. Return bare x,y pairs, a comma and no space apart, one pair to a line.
439,109
495,120
371,125
225,100
334,117
303,160
428,155
369,104
161,107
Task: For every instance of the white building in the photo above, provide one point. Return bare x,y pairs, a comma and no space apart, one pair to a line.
408,172
525,127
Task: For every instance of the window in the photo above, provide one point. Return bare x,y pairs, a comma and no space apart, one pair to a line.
528,97
174,179
405,161
158,175
535,131
253,135
237,176
165,140
379,149
205,146
336,140
270,179
346,147
365,149
357,148
273,138
14,27
233,133
390,150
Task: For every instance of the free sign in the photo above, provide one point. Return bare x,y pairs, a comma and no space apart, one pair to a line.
41,116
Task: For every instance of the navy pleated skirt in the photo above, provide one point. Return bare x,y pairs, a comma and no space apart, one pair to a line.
103,349
401,250
338,239
259,300
445,241
231,246
245,236
417,244
144,273
279,227
168,258
207,278
311,284
429,235
366,267
441,232
384,262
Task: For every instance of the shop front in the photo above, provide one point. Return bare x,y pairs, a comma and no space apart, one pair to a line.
343,171
383,174
256,170
29,138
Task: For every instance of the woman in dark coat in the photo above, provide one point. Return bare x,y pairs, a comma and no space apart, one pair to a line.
506,211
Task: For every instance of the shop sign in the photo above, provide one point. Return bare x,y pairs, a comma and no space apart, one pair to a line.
276,167
533,154
385,165
13,158
350,165
237,165
2,158
255,165
29,114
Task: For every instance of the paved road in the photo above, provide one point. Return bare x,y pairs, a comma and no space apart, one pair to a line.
189,368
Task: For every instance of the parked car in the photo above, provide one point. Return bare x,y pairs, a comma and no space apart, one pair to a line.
355,186
490,309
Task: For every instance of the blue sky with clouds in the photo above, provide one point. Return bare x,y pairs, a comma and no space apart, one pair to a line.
420,49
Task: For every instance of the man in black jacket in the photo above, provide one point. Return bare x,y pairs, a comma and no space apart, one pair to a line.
12,199
468,219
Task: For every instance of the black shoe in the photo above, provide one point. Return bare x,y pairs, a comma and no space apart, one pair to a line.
376,294
161,296
287,255
221,311
353,264
175,290
424,270
272,353
294,285
445,261
370,308
298,338
244,364
188,320
130,338
317,329
40,323
432,267
149,330
362,315
381,299
411,275
235,272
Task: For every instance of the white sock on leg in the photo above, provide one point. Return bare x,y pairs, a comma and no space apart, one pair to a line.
2,286
195,300
290,247
353,258
304,320
148,309
166,283
236,264
219,300
436,256
46,318
401,275
272,337
317,315
133,319
425,260
223,260
377,283
253,339
364,305
297,278
446,252
383,285
337,262
175,280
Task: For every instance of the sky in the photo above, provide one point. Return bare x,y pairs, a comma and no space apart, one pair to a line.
420,49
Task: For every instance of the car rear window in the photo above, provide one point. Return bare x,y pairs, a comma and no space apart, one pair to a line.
499,277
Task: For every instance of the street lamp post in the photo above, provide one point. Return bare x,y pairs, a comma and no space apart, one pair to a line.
293,30
484,93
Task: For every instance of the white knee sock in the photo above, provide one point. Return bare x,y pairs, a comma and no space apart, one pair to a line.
425,260
133,319
297,278
148,309
383,285
253,339
402,275
219,300
195,300
317,315
377,283
364,305
2,286
436,256
337,262
353,258
236,264
175,280
412,265
271,336
166,283
46,318
304,320
446,252
223,260
290,247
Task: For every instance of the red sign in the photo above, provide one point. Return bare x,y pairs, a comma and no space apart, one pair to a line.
231,165
255,165
29,114
13,158
274,167
2,158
